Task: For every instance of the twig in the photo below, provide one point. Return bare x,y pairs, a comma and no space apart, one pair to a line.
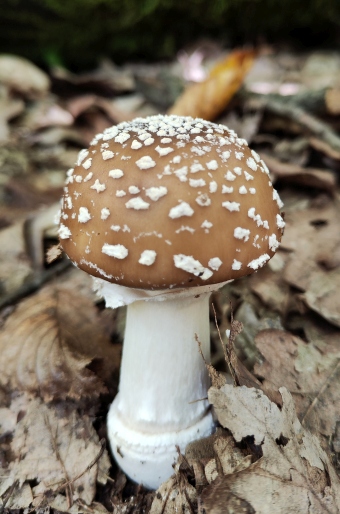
226,351
199,505
165,501
8,495
188,502
88,467
69,491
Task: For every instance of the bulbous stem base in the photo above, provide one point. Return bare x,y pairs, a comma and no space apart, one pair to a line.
162,400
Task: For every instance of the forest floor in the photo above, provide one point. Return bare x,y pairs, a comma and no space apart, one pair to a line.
60,349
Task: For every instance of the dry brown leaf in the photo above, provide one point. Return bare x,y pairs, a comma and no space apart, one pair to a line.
80,105
60,504
15,267
9,108
294,174
332,99
227,457
209,98
17,497
22,76
8,421
36,227
294,473
311,376
314,266
47,344
219,499
322,146
107,80
172,497
58,448
322,295
271,288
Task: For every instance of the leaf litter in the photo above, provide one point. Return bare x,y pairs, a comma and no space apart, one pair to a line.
47,348
56,383
59,448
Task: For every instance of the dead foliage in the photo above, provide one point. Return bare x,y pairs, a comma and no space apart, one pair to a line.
47,348
275,335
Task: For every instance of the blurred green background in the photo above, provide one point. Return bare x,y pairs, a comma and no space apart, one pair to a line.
77,33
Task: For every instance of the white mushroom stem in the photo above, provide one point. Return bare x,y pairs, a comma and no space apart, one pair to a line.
163,386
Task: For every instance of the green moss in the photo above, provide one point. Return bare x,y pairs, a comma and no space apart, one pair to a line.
78,32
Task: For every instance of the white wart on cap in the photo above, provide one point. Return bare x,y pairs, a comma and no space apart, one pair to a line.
169,201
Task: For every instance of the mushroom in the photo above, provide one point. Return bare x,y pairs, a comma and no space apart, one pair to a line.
162,211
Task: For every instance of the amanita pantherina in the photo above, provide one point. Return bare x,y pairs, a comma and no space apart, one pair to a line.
162,211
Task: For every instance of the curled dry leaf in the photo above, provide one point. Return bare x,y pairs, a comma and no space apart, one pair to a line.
294,473
210,97
59,449
47,344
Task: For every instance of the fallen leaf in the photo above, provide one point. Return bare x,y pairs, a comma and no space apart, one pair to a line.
311,375
59,448
321,69
9,108
79,105
322,146
173,497
332,99
57,135
289,173
252,324
271,288
159,85
107,80
209,98
291,457
314,266
48,343
227,457
15,267
8,421
246,126
322,295
60,504
18,498
22,76
219,499
36,226
47,113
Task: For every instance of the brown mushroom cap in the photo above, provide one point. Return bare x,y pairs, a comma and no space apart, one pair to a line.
169,201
